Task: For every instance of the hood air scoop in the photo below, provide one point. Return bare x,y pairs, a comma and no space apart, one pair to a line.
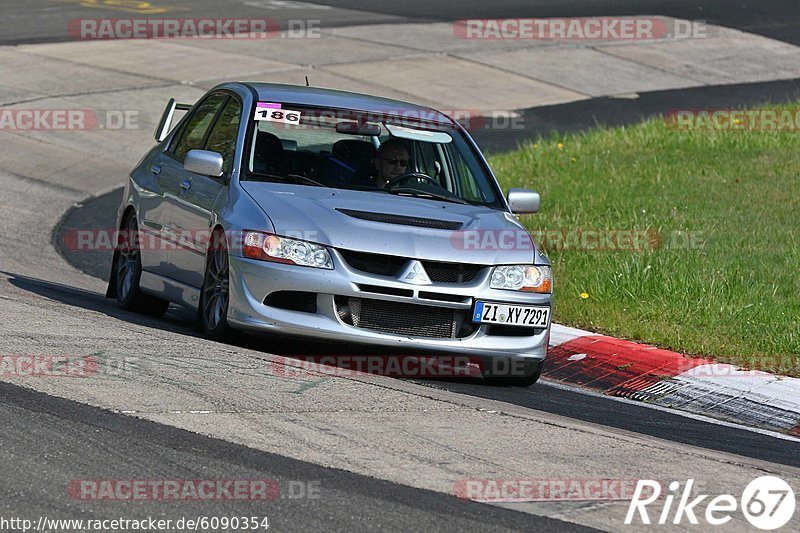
402,220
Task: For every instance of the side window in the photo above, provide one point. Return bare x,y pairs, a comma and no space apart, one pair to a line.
194,133
428,157
223,136
467,184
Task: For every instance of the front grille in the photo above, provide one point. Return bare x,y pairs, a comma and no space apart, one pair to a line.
444,297
451,272
392,291
404,319
402,220
383,265
390,265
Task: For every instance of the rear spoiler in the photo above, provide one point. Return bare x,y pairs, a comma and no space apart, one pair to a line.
165,125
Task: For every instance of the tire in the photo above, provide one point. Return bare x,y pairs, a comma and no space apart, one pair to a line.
127,270
215,293
530,373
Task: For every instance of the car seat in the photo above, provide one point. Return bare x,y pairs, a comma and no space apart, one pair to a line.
269,157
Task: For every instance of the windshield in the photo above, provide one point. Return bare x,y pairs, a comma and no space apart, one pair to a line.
382,153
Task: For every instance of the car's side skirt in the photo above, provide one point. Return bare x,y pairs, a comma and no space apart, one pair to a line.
169,289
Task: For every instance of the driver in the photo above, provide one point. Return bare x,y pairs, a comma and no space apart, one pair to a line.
391,160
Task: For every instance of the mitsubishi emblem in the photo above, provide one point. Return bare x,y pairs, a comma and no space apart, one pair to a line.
415,273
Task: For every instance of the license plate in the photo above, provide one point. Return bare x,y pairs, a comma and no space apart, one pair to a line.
512,315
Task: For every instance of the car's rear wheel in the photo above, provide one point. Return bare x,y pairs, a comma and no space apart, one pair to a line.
215,294
128,272
516,373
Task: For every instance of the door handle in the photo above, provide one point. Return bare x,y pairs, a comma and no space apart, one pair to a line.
156,169
186,185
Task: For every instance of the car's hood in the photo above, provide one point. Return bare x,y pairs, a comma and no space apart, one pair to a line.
485,236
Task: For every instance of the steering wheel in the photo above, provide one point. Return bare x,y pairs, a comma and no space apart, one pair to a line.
409,175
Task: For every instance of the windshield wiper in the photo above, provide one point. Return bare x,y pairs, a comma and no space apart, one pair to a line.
427,194
297,178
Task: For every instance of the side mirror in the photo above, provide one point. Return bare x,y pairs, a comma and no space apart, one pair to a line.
203,162
523,201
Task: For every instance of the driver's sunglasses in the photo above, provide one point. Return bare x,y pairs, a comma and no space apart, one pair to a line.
394,161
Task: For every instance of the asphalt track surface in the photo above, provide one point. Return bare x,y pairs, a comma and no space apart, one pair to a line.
608,111
29,21
100,212
48,441
35,21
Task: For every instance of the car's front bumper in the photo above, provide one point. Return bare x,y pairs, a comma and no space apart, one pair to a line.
251,281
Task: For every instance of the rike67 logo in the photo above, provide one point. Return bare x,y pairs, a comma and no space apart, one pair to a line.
767,502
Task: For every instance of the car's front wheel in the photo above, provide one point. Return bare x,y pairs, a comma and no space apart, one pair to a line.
128,272
215,293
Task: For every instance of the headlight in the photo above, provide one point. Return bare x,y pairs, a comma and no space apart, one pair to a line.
268,247
528,278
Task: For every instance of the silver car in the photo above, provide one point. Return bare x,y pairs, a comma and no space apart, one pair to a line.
334,216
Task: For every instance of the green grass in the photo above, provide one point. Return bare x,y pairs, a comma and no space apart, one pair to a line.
734,295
